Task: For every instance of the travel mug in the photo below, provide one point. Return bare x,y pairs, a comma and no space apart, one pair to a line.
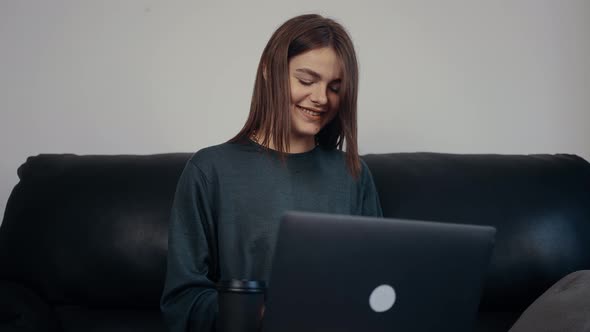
241,303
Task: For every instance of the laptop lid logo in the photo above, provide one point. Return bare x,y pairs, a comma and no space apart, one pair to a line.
382,298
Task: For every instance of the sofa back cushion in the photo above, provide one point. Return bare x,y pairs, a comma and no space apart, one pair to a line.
540,205
91,230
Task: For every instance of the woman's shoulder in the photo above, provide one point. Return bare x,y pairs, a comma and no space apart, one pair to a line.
339,157
224,153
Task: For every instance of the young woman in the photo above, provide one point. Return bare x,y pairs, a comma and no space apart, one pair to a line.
288,156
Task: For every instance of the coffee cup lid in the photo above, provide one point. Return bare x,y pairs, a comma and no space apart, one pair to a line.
242,285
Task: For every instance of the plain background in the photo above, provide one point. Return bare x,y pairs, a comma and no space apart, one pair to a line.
143,77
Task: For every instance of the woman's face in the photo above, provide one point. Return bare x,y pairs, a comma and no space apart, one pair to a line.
315,80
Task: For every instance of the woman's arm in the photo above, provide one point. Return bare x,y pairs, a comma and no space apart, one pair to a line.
370,205
189,300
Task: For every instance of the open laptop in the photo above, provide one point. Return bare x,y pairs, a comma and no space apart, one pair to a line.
350,273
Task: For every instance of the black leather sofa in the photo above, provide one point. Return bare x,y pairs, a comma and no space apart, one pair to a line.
84,238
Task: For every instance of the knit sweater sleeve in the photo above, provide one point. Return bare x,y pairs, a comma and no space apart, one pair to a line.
371,205
189,299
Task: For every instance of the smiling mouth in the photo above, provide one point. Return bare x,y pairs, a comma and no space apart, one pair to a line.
309,112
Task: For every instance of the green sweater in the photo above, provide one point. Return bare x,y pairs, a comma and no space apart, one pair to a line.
226,212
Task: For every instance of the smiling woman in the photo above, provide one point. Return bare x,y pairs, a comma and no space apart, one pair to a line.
288,156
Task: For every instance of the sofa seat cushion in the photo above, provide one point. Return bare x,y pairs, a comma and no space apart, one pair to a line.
21,309
76,318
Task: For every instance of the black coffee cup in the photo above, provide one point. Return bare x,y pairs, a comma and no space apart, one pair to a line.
241,304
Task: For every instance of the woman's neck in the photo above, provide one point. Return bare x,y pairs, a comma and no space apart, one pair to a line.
303,144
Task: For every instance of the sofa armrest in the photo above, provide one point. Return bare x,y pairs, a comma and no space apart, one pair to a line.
564,307
22,310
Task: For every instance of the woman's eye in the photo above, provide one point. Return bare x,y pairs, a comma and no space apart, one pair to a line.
305,82
335,89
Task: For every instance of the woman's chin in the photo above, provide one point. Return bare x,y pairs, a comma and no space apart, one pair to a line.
306,133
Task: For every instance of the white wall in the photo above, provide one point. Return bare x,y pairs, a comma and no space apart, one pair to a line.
140,77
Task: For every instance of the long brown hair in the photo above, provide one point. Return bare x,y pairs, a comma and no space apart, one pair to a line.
272,89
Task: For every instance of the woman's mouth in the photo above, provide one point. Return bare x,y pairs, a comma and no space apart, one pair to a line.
309,112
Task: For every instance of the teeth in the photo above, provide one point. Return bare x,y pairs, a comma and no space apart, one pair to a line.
305,110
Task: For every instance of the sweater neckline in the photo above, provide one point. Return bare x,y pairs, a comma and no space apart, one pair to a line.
277,153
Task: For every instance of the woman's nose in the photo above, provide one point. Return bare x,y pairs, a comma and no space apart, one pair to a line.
319,96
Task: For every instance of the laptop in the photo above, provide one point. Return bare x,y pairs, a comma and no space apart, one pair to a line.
350,273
